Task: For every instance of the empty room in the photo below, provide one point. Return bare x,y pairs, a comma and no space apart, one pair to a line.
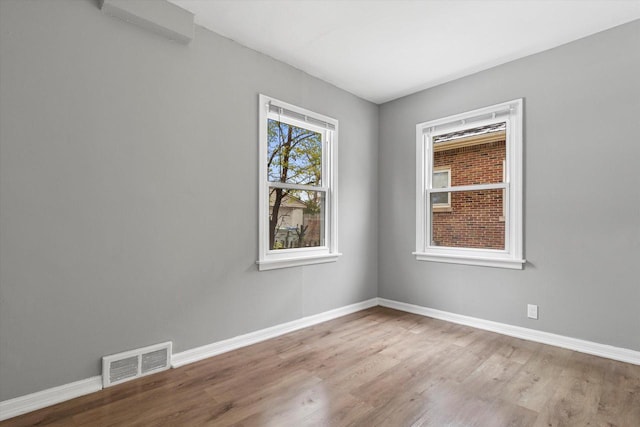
319,213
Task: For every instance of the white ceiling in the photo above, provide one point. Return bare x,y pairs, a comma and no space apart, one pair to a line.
381,50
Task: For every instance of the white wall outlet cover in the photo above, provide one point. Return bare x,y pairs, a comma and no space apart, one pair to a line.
532,311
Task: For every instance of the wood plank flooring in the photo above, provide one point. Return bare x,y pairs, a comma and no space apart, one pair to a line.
377,367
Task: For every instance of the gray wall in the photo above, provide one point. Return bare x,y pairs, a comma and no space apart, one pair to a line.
129,191
582,193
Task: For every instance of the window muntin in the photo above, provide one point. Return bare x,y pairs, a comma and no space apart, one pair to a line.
298,191
482,224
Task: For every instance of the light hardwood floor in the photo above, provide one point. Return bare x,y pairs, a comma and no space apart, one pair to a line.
377,367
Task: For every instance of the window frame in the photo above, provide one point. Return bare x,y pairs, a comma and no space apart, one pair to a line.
511,257
269,259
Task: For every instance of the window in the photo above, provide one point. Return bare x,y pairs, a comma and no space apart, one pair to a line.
469,188
441,179
298,186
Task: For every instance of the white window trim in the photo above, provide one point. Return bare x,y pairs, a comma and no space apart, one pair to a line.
512,256
283,258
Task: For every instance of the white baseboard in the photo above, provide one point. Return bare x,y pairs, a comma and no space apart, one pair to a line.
589,347
31,402
209,350
23,404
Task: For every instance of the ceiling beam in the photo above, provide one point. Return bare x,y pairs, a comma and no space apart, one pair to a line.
158,16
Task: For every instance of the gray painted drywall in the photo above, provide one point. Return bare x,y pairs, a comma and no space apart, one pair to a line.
581,201
128,189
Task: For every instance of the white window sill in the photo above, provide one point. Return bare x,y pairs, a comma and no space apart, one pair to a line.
514,264
273,264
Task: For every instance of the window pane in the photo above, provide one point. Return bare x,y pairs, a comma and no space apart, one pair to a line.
294,154
440,179
296,218
474,221
475,156
440,199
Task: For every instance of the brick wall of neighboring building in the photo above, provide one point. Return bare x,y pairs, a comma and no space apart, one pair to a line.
474,218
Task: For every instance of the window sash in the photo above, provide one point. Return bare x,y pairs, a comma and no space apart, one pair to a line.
327,137
325,218
461,188
429,210
429,149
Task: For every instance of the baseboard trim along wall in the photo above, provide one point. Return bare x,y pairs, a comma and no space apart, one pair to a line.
31,402
209,350
589,347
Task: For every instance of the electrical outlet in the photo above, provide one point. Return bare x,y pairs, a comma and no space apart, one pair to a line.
532,311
